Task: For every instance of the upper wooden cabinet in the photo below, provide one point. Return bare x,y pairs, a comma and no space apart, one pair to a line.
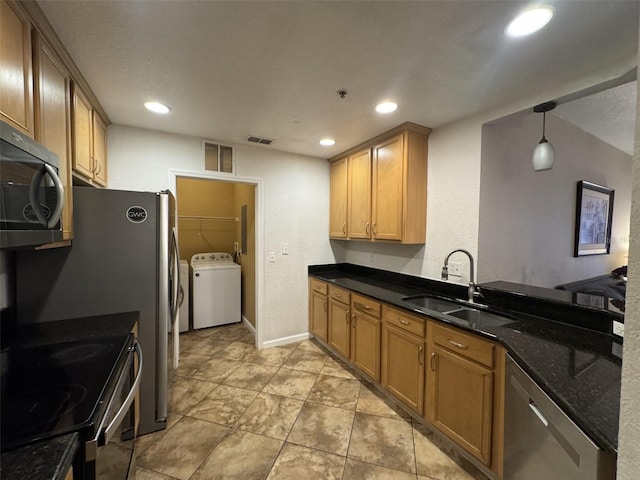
52,117
89,141
16,77
387,188
338,199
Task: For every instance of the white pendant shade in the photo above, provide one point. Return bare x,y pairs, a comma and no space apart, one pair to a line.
543,156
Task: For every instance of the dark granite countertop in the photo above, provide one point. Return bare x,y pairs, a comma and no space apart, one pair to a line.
47,460
567,349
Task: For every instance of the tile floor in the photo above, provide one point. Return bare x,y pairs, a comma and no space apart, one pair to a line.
291,412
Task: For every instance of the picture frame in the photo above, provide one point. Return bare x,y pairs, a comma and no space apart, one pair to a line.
594,214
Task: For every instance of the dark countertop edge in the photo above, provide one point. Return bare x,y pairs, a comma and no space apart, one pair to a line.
46,460
334,273
82,328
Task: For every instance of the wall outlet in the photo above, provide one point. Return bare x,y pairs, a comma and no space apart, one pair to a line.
272,257
285,249
618,328
455,269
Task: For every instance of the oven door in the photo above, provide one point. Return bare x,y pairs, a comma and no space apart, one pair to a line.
115,456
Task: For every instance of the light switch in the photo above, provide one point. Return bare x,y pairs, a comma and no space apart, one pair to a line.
272,257
285,249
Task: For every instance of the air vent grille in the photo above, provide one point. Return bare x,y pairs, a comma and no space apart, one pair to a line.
263,141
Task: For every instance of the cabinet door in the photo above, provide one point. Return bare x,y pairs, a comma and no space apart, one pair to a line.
460,401
99,150
365,344
387,201
403,366
338,199
81,127
318,314
16,78
52,118
339,327
359,221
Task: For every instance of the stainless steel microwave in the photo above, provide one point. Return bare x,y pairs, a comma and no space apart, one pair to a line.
31,192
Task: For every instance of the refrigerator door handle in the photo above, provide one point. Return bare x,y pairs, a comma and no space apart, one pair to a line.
176,301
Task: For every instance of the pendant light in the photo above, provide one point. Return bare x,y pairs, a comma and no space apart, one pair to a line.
543,154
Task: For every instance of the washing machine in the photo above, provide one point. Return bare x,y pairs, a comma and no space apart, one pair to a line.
215,283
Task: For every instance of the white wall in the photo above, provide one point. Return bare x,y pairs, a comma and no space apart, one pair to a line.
527,218
629,433
295,205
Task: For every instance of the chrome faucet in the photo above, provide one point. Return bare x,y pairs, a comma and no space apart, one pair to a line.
445,271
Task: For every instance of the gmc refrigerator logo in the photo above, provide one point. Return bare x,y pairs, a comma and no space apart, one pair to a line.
136,214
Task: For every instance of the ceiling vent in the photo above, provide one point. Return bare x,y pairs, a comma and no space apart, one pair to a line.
263,141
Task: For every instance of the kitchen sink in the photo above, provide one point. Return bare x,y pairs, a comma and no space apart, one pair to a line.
468,315
479,318
432,302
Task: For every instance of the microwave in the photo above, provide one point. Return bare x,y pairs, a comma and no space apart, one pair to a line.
31,192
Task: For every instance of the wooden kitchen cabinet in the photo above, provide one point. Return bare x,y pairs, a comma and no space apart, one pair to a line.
359,211
16,74
318,309
365,335
461,385
52,117
403,347
387,194
339,320
89,141
338,199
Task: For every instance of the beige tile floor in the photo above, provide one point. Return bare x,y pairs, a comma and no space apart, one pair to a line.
291,412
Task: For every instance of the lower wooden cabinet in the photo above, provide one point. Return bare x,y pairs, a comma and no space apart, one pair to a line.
461,389
365,335
403,357
340,327
318,309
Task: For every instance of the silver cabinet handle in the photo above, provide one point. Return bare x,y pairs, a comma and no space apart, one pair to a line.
353,320
373,229
403,322
346,316
433,357
366,229
115,423
420,355
344,228
461,346
324,306
338,295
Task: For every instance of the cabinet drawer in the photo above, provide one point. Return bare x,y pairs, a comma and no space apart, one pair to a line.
366,305
318,286
339,294
403,320
463,344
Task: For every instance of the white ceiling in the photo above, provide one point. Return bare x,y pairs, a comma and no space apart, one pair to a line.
229,69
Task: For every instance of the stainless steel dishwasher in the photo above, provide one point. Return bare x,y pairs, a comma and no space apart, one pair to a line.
541,442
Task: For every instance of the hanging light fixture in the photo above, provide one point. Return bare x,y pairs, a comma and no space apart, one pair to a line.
543,154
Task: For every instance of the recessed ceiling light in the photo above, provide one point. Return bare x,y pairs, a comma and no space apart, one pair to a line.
386,107
529,21
327,142
157,107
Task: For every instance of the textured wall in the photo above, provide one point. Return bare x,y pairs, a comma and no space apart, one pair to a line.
629,435
527,218
295,206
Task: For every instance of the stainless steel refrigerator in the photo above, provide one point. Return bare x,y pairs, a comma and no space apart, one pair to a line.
124,257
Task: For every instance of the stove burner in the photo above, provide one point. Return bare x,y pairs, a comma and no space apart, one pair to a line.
79,352
39,410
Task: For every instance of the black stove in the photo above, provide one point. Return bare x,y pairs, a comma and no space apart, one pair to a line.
55,389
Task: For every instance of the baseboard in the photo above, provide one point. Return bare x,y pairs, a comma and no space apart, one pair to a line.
247,324
286,340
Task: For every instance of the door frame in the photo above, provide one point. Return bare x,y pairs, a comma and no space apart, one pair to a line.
259,232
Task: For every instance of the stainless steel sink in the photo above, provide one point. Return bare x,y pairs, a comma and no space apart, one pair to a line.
466,314
432,302
479,318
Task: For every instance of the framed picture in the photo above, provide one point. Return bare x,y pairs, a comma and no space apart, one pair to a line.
594,211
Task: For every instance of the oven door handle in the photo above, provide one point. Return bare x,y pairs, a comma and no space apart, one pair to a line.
115,423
